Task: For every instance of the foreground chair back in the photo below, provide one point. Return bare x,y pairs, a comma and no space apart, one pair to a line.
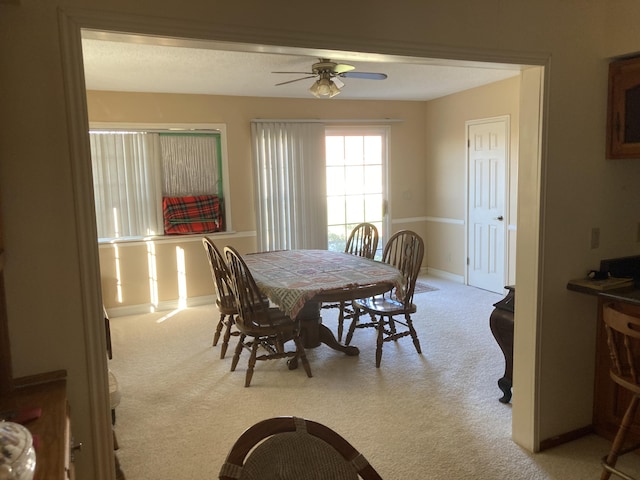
259,324
405,251
623,339
362,242
225,301
296,449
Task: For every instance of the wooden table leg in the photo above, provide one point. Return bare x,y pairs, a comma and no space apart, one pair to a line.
315,333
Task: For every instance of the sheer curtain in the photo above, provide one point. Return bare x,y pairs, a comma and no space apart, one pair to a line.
290,180
127,184
187,161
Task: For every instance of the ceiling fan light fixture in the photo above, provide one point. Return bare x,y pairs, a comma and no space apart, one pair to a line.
333,90
324,87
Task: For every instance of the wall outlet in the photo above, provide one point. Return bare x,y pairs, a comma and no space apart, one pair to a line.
595,237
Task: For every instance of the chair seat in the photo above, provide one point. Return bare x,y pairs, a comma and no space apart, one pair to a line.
296,456
226,305
277,323
114,391
384,306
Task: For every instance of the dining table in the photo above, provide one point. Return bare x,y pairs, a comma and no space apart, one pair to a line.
299,281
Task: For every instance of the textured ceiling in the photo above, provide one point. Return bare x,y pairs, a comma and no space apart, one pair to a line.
118,62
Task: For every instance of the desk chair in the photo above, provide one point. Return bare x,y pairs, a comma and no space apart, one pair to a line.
405,251
623,339
296,449
363,242
259,324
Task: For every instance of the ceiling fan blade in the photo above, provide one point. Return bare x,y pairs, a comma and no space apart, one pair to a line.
297,73
296,80
365,75
343,67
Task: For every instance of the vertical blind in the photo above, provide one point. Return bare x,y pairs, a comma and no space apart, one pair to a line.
126,174
290,180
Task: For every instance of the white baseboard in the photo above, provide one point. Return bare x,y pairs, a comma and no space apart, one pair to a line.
446,275
162,306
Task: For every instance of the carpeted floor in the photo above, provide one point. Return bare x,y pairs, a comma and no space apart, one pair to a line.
434,415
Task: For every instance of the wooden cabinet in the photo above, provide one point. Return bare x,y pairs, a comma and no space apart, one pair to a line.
623,116
52,430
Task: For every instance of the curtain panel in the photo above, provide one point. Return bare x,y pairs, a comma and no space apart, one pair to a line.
290,180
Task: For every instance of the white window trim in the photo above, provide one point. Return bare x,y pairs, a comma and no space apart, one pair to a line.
178,127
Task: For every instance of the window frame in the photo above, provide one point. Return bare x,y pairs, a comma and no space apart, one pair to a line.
220,128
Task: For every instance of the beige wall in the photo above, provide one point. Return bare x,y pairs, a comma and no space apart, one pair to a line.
51,273
406,172
427,175
446,160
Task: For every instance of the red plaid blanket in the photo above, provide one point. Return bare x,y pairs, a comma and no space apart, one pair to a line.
195,214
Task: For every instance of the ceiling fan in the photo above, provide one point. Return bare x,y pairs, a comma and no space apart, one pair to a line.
328,74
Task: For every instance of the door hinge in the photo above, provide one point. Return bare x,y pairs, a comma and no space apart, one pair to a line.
468,261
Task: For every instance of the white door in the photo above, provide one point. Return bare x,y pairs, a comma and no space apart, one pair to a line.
487,159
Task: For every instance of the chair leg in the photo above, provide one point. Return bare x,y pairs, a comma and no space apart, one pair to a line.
414,334
252,362
380,341
302,355
392,327
618,441
236,355
227,336
341,321
352,327
216,335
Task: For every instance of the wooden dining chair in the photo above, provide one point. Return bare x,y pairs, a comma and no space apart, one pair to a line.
363,242
405,251
225,301
259,324
623,340
291,448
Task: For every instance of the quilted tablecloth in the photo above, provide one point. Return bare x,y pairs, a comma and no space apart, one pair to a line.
292,277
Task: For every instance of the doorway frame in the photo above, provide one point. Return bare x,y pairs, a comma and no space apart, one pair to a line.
507,192
71,23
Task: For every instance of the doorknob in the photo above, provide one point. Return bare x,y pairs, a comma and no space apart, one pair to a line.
500,218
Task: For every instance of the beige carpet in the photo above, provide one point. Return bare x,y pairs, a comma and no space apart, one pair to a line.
430,416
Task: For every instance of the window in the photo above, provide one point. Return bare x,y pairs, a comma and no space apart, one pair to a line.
158,181
356,165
